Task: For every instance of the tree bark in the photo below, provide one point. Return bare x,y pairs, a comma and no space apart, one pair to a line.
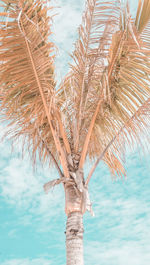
74,239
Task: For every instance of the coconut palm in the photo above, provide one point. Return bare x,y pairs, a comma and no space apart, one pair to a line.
101,105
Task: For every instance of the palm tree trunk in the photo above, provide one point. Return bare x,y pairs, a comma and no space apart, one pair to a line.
74,226
74,238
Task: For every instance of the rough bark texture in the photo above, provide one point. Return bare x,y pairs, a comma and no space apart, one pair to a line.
74,239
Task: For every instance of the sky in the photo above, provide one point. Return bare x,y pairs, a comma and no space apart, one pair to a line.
32,224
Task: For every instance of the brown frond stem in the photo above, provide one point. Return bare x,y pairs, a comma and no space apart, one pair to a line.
138,12
49,117
87,139
99,159
54,160
52,156
110,69
84,75
63,133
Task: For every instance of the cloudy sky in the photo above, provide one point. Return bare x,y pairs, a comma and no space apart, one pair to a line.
32,224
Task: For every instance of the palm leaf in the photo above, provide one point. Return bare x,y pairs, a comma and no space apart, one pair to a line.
27,77
128,86
142,21
129,133
105,92
143,14
100,20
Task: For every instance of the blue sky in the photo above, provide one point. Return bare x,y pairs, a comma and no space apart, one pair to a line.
32,224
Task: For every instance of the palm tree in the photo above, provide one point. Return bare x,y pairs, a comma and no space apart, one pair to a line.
102,104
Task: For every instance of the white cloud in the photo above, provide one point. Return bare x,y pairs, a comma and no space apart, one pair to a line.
39,261
66,22
126,253
122,217
12,233
23,189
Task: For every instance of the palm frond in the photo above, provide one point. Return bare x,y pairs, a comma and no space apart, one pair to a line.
142,21
128,86
129,133
27,76
52,156
103,93
103,99
100,20
143,14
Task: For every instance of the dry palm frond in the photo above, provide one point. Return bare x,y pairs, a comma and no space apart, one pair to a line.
107,88
82,84
51,184
143,14
27,76
107,85
52,156
142,21
128,81
130,133
130,88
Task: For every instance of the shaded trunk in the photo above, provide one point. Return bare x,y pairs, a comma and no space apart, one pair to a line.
74,239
